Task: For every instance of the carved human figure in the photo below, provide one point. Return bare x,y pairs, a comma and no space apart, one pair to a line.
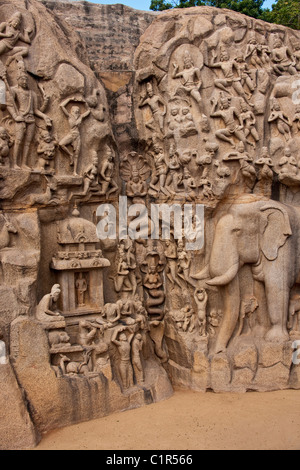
73,138
174,176
81,289
160,170
244,74
248,122
187,127
297,117
157,106
288,164
282,58
46,151
5,145
106,174
253,51
47,309
23,107
123,344
229,114
190,77
282,121
246,164
125,281
171,256
265,174
135,171
174,120
228,66
189,185
137,346
87,333
10,34
296,54
189,323
201,299
183,262
90,179
205,161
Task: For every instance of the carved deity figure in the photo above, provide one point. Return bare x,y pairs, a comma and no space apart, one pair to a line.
73,138
244,74
288,168
201,299
46,151
123,344
282,58
229,114
254,52
106,174
135,171
174,176
228,66
23,107
47,310
248,122
160,170
296,54
190,77
10,34
81,289
157,106
137,346
282,121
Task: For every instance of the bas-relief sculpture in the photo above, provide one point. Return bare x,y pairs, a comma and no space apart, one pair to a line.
121,321
241,161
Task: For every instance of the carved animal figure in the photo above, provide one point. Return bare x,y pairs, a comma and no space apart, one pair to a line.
5,234
75,368
265,235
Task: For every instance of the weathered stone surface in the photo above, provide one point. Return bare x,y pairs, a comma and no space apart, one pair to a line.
16,428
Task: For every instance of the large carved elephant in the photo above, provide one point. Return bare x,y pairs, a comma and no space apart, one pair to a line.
264,234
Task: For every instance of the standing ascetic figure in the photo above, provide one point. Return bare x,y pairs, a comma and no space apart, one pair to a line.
22,104
73,138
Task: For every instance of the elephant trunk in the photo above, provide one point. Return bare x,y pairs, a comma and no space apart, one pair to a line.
225,278
231,309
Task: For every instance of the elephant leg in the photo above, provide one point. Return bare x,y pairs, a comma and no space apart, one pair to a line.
231,303
278,296
262,322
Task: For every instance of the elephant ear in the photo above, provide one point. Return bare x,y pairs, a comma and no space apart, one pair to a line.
275,229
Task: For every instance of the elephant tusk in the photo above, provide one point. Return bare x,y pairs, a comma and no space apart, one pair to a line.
226,278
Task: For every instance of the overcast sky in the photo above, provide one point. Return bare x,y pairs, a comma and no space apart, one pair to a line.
145,4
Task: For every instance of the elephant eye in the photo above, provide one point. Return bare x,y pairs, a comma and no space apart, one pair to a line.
237,230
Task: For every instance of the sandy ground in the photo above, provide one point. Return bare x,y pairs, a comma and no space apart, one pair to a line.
192,421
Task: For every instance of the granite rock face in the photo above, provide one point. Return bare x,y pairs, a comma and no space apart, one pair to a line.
195,110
